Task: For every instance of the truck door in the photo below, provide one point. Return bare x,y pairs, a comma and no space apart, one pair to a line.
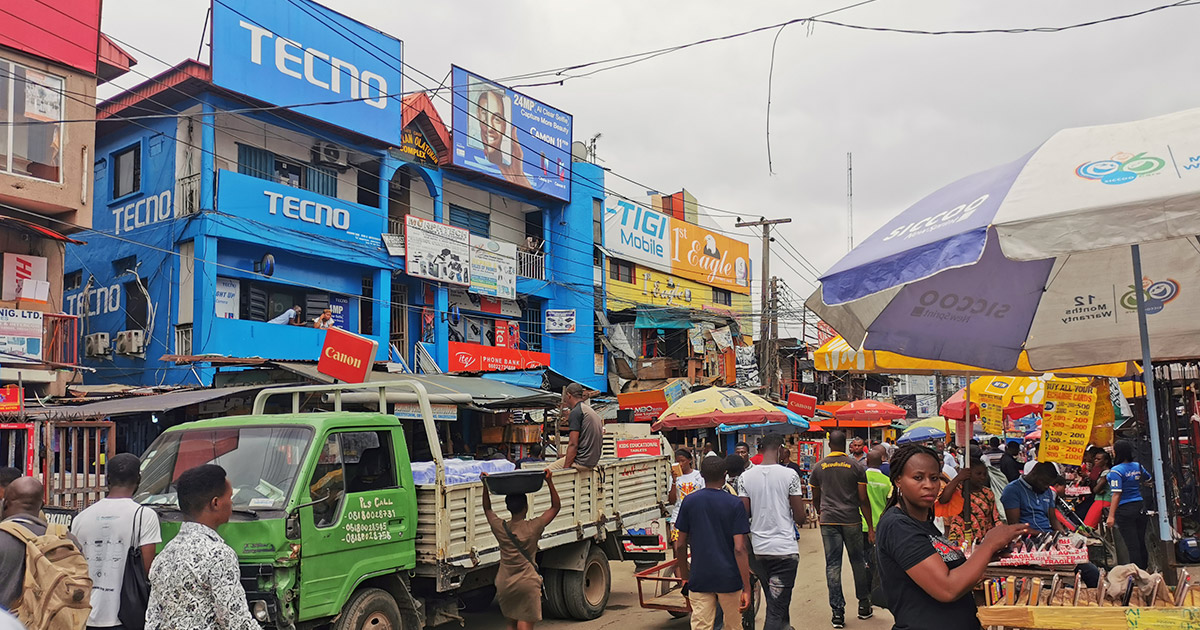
365,523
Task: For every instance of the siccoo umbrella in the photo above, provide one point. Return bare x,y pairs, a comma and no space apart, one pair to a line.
715,406
1082,251
796,423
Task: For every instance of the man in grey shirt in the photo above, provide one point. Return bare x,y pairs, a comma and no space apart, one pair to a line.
587,433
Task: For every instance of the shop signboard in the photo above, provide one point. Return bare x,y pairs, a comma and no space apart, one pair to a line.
508,333
991,413
12,399
464,300
472,357
560,320
412,411
676,389
639,446
803,404
20,336
664,243
346,357
228,298
655,288
415,147
510,136
288,52
339,307
647,406
437,251
493,268
278,205
19,268
1066,422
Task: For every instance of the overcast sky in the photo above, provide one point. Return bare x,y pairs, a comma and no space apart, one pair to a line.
917,112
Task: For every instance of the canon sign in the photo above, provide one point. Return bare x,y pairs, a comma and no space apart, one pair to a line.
287,52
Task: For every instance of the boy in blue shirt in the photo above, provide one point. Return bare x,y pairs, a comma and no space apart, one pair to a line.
1128,511
714,522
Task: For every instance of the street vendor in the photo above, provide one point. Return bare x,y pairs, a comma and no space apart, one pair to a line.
984,515
1125,480
1030,500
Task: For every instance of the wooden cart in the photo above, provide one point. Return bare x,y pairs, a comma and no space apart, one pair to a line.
1089,618
659,589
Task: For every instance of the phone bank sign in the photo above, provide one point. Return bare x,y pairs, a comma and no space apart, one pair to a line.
288,52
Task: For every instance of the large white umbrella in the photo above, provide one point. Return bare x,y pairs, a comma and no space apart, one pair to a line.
1083,251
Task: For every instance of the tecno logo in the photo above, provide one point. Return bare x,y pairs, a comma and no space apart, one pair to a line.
330,73
957,307
465,359
308,211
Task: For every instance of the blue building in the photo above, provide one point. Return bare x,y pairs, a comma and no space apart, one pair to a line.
215,213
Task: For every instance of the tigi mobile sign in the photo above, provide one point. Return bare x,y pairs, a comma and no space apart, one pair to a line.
510,136
288,52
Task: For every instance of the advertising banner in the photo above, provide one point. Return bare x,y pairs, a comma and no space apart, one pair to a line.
747,367
991,413
471,357
279,205
560,320
647,406
20,336
228,299
290,52
508,333
493,268
802,404
1066,422
510,136
639,446
339,307
464,300
441,413
415,147
437,251
18,267
346,356
12,399
662,242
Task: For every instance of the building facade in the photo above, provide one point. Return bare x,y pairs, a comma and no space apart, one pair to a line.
52,56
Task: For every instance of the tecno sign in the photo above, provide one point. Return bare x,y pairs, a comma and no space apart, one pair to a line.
308,211
289,52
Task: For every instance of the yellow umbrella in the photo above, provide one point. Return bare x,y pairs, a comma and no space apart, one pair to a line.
838,356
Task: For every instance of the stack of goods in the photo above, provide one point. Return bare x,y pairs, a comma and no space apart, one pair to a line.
1043,549
459,471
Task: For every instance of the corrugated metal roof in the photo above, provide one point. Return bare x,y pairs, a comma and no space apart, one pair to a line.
485,392
155,403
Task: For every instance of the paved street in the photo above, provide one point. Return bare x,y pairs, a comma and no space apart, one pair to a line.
810,608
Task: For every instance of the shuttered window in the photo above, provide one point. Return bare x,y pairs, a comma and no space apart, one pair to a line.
256,162
321,180
264,164
477,223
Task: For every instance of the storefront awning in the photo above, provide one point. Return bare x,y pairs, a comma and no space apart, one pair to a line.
662,318
485,392
34,229
153,403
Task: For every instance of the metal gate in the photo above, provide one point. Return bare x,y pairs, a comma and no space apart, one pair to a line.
74,464
16,446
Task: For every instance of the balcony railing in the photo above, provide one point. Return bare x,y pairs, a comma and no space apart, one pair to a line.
531,265
60,336
188,201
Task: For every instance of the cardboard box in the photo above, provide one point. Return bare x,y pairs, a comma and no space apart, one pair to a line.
657,368
524,433
492,435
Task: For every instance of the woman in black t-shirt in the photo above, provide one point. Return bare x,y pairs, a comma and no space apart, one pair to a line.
926,578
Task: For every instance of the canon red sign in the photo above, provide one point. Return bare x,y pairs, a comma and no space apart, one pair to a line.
346,357
802,404
472,357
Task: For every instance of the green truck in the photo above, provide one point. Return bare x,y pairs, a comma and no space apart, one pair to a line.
330,528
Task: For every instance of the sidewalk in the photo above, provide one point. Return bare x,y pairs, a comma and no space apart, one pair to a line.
810,601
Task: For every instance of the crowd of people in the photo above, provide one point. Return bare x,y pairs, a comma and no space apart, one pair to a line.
900,516
194,583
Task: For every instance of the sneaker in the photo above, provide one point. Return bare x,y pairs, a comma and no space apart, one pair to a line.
865,611
839,618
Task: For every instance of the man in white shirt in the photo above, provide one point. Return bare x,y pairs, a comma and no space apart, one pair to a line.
287,317
772,496
107,530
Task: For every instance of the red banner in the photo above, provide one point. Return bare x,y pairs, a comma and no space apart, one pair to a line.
12,399
346,357
508,333
640,446
802,404
472,357
647,406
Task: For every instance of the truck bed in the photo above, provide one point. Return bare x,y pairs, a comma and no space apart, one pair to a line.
453,536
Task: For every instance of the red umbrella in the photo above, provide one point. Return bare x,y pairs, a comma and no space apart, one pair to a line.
954,408
870,410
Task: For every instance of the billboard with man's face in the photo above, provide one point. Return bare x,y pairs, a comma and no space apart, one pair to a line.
510,136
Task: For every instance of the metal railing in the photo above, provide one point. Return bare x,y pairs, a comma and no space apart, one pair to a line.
531,265
188,201
60,339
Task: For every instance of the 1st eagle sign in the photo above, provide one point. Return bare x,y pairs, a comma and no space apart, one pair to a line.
346,357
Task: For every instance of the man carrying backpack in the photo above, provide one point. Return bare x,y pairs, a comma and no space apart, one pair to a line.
34,554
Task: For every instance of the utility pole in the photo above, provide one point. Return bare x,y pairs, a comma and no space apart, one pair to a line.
766,285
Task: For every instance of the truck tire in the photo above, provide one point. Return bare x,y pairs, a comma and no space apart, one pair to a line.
553,601
586,592
370,609
478,600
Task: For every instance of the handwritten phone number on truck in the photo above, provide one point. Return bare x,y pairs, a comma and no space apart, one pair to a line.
370,515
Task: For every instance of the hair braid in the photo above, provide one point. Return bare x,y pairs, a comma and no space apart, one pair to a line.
898,462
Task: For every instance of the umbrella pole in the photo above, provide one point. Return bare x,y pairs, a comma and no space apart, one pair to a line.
1160,493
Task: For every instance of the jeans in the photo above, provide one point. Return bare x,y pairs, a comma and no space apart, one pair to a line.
1131,522
777,574
835,537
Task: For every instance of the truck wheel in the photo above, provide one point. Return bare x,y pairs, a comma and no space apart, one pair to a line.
586,592
479,599
370,609
553,601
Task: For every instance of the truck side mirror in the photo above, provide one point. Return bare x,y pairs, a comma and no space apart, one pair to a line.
291,526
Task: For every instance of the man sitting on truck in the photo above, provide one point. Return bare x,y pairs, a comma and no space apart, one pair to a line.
583,449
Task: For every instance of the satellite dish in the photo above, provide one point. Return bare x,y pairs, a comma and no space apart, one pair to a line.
579,151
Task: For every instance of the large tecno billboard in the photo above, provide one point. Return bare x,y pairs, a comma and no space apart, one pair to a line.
659,241
297,52
510,136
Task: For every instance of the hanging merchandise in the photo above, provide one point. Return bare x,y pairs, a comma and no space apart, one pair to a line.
723,338
747,368
1104,417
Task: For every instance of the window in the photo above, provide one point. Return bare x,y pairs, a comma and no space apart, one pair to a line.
137,307
531,325
366,307
478,223
620,270
73,280
31,108
127,171
359,461
721,296
264,164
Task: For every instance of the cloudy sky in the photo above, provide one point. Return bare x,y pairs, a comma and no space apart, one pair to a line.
917,112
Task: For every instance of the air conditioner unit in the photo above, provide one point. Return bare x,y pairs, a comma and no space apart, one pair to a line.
329,154
131,342
97,345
